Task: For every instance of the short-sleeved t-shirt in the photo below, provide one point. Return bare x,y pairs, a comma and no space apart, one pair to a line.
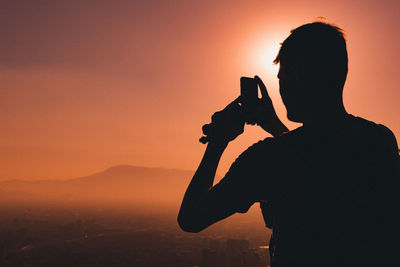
333,192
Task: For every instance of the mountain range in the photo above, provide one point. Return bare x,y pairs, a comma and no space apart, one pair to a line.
122,183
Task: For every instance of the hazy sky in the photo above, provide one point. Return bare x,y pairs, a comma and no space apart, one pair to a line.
85,85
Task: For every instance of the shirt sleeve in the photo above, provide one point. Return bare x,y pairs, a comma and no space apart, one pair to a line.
243,184
389,138
390,154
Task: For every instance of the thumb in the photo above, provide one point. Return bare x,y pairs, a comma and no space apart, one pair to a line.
263,88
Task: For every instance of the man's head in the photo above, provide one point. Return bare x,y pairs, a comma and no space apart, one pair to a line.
313,69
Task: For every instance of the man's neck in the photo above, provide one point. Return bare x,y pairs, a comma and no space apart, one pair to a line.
326,117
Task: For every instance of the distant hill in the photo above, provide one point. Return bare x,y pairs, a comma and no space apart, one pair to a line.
120,183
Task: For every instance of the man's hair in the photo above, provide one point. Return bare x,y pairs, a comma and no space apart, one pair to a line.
318,51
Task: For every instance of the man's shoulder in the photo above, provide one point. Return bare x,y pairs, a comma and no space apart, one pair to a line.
377,130
291,137
272,145
292,134
260,147
384,138
364,124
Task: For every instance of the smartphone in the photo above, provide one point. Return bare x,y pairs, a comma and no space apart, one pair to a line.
248,92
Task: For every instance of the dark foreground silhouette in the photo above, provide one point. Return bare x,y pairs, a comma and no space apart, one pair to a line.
329,189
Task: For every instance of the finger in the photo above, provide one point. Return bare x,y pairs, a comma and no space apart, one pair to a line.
263,88
238,100
251,120
206,129
216,116
235,104
203,139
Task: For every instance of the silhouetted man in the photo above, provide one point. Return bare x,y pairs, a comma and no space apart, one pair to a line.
330,186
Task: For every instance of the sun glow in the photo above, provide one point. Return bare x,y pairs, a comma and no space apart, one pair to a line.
262,49
260,54
263,56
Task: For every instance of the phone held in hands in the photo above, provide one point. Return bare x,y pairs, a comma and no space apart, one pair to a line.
249,97
249,94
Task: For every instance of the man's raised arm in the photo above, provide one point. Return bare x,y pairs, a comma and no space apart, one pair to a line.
199,208
226,125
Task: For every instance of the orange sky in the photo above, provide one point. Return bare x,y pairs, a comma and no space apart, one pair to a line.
92,84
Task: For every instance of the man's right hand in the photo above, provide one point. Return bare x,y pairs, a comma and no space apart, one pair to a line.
225,125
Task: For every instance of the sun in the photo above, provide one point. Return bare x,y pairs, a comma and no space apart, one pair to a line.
264,55
262,51
268,55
